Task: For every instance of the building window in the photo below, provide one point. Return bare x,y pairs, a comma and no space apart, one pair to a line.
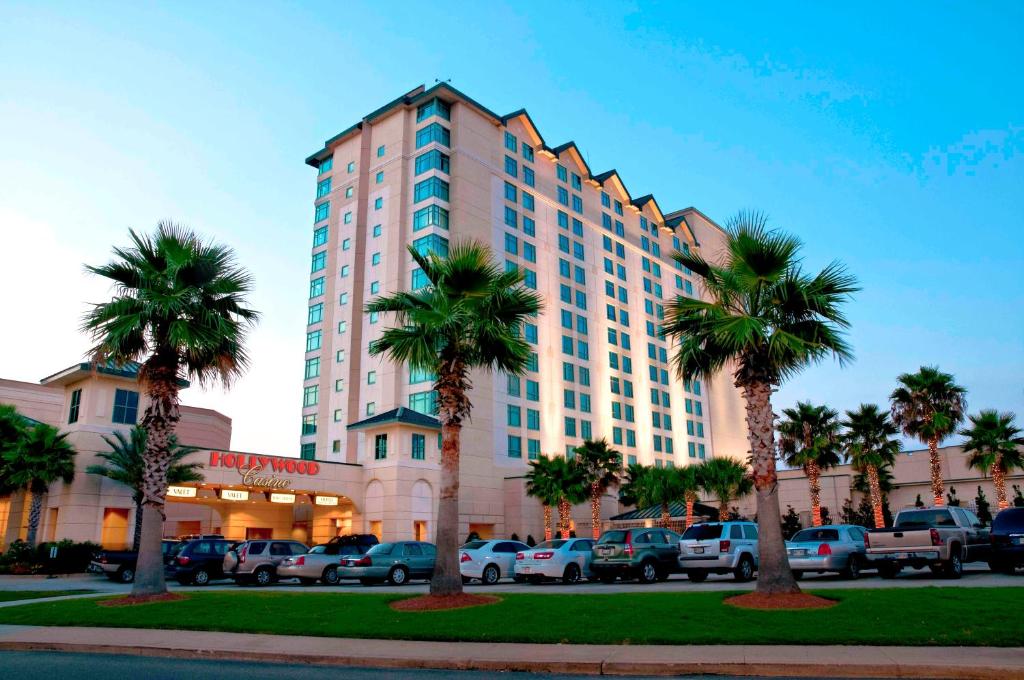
431,243
346,244
419,279
371,408
307,451
323,187
313,340
528,177
310,395
432,187
380,177
570,427
430,216
435,107
343,299
322,211
511,166
312,368
381,151
371,378
515,446
319,261
533,449
380,447
377,230
513,416
76,402
309,424
351,167
345,270
336,446
319,237
424,402
349,192
433,160
420,375
378,203
511,143
532,419
375,259
374,287
532,390
419,447
435,132
326,164
563,174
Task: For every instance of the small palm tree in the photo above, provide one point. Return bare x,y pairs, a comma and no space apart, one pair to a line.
661,487
469,316
125,463
180,309
727,480
809,439
541,485
600,464
12,434
690,484
630,482
929,406
994,442
770,320
871,445
43,456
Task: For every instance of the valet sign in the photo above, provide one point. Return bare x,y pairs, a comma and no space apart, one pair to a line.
264,471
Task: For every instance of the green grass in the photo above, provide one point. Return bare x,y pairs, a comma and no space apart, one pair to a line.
900,616
12,595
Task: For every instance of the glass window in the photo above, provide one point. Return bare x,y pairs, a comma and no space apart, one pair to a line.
312,368
515,446
320,237
533,449
563,195
431,243
323,187
511,143
319,260
563,174
380,177
513,416
316,313
424,402
532,419
528,177
432,187
435,132
435,107
532,390
433,160
511,166
326,164
322,211
380,447
309,424
419,447
430,216
380,151
513,386
307,451
310,395
313,339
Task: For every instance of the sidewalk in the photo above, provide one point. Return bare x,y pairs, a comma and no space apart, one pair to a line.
822,661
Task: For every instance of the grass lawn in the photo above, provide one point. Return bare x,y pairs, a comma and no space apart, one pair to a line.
900,616
12,595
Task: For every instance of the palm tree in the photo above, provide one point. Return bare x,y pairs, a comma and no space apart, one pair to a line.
885,480
690,484
929,405
727,480
630,482
871,445
43,456
541,485
661,487
570,485
180,309
470,315
125,463
994,444
12,434
809,439
600,464
767,319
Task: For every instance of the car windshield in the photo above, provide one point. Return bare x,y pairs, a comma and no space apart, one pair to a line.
612,537
176,548
317,549
474,545
381,549
553,545
1010,520
811,535
924,519
703,532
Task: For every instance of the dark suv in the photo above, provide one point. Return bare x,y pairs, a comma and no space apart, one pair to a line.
197,561
645,554
1007,538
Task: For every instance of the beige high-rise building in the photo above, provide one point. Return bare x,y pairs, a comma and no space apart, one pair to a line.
434,167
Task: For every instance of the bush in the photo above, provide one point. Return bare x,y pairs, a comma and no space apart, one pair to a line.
72,557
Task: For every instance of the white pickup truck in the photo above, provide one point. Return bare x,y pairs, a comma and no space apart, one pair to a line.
941,538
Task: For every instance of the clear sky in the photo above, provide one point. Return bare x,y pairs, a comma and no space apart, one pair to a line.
888,135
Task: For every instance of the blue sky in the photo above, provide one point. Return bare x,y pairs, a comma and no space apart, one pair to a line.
890,136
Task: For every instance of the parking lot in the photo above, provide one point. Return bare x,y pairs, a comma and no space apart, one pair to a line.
975,576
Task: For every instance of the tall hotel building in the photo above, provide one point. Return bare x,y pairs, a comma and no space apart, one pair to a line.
433,167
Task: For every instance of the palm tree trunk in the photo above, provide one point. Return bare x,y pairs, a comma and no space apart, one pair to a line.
137,534
564,517
666,516
34,514
774,575
935,465
814,481
689,511
160,420
876,496
453,405
723,508
547,523
999,479
595,510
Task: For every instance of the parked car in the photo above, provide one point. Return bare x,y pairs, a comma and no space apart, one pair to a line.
197,561
830,548
719,548
488,560
646,554
397,562
119,565
941,538
257,561
562,558
321,562
1007,537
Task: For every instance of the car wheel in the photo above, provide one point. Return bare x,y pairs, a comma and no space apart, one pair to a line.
201,577
853,567
648,572
607,578
399,576
888,570
697,575
263,576
125,574
744,570
954,566
572,574
330,576
491,575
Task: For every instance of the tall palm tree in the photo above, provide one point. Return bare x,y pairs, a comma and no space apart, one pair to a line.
469,316
809,439
570,484
768,319
994,442
125,463
43,456
601,465
885,480
871,445
727,480
180,309
929,406
540,484
690,484
661,487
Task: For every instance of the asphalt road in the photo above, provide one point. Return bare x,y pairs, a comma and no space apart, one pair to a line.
47,665
975,576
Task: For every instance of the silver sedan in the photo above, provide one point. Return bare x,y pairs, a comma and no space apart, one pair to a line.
832,548
567,559
488,561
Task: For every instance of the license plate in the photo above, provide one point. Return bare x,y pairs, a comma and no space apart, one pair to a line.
523,570
698,550
605,550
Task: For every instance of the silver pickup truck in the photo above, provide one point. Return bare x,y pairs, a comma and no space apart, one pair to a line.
940,538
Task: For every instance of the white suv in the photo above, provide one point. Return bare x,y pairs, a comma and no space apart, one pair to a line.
719,548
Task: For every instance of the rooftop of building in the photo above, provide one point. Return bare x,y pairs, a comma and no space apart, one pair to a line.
128,370
401,415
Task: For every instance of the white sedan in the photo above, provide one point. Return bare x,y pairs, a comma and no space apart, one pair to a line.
567,559
488,560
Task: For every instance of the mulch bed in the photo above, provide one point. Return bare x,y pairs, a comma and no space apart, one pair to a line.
131,600
426,603
780,601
